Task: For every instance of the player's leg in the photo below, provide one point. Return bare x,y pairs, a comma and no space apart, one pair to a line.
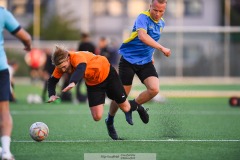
149,77
145,96
97,112
114,106
6,128
5,116
126,74
96,99
152,89
116,92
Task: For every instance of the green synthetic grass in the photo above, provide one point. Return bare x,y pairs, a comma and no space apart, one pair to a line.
180,129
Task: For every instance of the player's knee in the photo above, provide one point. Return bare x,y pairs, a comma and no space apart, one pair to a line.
97,117
154,91
125,106
126,109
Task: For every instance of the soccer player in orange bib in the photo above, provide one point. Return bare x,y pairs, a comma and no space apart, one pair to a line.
101,79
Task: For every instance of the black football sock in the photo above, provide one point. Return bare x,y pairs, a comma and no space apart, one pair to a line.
133,104
110,119
139,107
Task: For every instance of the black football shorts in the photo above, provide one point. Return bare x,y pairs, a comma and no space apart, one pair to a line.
128,70
5,85
111,86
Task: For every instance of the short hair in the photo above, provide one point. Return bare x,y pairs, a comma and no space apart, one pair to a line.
160,1
84,35
59,55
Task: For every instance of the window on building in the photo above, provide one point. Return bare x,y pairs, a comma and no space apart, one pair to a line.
115,8
192,54
176,8
107,7
135,7
99,8
193,7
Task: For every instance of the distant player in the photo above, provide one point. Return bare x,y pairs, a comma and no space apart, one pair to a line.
35,60
8,22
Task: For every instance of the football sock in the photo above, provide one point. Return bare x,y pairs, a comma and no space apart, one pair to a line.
110,119
6,144
133,104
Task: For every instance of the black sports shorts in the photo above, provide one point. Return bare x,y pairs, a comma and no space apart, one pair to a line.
128,70
111,86
5,85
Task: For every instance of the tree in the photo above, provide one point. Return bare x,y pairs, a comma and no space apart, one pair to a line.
57,27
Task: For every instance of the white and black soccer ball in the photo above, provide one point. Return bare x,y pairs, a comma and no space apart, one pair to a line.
39,131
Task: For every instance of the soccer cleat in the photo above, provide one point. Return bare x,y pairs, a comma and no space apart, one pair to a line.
143,114
128,116
111,131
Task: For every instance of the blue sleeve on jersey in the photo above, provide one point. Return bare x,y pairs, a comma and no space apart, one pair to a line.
141,22
11,24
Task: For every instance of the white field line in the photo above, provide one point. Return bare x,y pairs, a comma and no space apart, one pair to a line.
74,112
192,93
103,141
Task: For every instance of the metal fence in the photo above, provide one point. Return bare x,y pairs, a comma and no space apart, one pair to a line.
200,51
196,51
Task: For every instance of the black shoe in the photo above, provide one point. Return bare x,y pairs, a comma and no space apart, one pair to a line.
143,114
128,116
111,131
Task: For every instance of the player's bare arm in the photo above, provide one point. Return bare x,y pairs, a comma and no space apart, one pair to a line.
69,87
52,82
25,38
145,38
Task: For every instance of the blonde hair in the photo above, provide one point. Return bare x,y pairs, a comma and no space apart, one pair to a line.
160,1
59,55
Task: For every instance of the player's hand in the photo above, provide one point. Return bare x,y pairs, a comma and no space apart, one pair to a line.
166,52
27,48
70,86
53,98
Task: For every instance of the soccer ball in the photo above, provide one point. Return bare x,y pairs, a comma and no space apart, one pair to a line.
39,131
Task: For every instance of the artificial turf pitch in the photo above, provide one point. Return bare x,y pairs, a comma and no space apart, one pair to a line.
179,129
